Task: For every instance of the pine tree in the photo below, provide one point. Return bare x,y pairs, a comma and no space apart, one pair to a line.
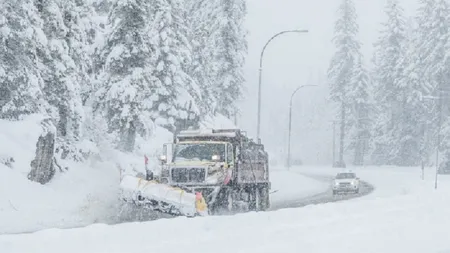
426,75
230,55
85,28
388,54
438,68
61,73
340,72
125,91
360,113
20,80
201,19
175,91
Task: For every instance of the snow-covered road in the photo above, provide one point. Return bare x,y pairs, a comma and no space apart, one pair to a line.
403,214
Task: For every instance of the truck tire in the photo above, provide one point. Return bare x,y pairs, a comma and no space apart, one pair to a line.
224,202
229,201
265,198
254,198
259,198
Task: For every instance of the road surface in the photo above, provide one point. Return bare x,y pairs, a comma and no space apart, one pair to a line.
324,197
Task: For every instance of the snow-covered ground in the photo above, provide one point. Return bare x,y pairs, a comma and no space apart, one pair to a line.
403,214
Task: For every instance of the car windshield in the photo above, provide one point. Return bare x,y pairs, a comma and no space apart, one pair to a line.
345,176
198,152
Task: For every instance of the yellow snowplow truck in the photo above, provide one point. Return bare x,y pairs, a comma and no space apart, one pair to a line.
209,172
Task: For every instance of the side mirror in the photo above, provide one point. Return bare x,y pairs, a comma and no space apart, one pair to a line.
215,158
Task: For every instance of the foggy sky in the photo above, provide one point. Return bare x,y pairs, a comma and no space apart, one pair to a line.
297,59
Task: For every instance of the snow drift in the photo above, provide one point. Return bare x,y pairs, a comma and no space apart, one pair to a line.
415,221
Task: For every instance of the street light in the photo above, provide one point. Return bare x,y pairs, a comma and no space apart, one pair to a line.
260,74
439,98
290,124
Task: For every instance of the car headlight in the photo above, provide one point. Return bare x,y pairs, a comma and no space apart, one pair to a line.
353,183
336,183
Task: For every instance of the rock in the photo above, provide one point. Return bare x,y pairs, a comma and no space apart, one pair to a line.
43,167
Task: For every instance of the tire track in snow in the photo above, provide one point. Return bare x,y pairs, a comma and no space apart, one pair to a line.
324,197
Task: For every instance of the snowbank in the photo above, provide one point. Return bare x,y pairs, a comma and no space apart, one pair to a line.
416,221
87,193
18,140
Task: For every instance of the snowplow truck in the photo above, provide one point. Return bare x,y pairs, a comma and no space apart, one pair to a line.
205,172
228,169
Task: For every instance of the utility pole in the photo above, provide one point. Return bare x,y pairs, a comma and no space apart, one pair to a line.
438,138
334,143
260,74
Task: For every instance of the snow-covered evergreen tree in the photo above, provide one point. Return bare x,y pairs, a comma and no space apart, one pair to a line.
20,79
126,81
389,51
341,70
175,93
85,28
230,56
360,113
201,20
438,69
61,73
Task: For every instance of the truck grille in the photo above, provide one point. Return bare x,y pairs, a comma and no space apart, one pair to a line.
344,184
188,175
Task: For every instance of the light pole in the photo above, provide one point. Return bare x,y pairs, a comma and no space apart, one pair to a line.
260,74
438,138
334,143
438,144
290,124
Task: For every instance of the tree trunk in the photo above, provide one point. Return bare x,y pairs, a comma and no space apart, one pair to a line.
341,163
128,138
42,167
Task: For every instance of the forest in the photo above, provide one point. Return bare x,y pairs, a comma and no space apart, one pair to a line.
115,69
396,112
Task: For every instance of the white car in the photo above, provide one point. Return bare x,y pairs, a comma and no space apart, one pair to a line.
346,182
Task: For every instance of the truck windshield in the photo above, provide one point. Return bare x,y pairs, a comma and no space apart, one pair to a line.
198,152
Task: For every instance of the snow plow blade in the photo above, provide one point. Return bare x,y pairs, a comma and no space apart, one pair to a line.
161,197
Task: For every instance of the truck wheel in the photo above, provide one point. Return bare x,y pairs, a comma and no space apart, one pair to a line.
229,203
224,202
254,198
265,198
257,199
